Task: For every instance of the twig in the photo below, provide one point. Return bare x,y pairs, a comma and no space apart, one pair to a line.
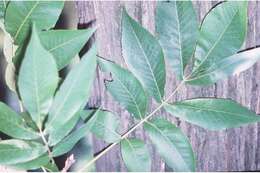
69,162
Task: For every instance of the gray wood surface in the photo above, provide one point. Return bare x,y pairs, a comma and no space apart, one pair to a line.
231,150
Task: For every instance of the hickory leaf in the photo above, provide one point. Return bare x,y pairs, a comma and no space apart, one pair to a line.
15,151
21,14
222,34
228,66
172,145
135,155
12,124
73,92
38,79
212,114
177,26
125,88
143,56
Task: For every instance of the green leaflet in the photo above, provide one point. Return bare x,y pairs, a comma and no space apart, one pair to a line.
135,155
143,56
125,88
104,125
73,92
68,142
33,164
177,26
228,66
212,114
62,44
38,79
17,151
12,124
221,35
58,134
65,44
172,145
21,14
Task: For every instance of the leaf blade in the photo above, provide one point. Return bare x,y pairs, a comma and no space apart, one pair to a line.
33,164
135,155
125,88
143,56
212,114
13,125
73,92
44,13
65,44
232,65
104,125
38,79
172,145
17,151
225,22
177,26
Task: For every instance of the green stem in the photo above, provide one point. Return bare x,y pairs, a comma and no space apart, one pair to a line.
44,170
46,145
133,128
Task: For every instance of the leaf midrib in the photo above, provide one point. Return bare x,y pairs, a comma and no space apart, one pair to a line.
35,83
25,19
213,110
65,98
65,43
208,72
179,39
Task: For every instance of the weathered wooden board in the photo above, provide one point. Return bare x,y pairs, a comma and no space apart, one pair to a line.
232,150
